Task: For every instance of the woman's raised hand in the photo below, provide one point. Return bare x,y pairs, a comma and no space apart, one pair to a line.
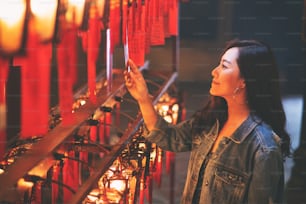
135,82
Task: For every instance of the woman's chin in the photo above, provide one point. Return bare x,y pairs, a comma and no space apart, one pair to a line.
211,91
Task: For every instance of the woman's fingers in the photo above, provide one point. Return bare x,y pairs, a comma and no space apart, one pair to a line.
133,66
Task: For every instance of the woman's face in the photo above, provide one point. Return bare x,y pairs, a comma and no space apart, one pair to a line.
226,76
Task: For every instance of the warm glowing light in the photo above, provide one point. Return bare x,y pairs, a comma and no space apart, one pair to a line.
119,185
23,185
75,12
1,171
11,11
175,108
82,102
168,118
152,156
10,160
44,16
100,7
92,198
142,145
113,196
165,108
93,195
12,20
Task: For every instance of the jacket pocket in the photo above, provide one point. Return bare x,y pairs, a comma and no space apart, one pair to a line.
229,186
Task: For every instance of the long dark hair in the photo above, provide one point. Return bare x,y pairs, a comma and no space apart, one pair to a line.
258,68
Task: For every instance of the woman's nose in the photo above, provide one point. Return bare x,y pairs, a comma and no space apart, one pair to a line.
214,71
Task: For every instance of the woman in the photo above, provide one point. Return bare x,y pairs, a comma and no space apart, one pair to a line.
237,141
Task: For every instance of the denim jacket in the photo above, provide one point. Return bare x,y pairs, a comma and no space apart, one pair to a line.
247,167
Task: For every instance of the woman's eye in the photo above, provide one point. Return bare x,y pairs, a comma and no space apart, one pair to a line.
223,66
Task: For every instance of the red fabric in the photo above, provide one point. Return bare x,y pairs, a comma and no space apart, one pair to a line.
142,189
92,55
66,61
117,121
4,68
70,176
124,20
136,32
148,26
114,23
159,165
35,87
54,186
172,18
101,133
157,23
104,128
107,127
93,133
149,189
170,159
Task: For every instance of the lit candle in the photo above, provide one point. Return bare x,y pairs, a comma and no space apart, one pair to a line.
12,23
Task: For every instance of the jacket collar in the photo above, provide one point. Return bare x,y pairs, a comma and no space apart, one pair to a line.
245,129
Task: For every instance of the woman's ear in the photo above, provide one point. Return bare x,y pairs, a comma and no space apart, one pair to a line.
242,84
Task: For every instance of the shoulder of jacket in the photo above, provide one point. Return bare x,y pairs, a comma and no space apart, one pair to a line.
266,137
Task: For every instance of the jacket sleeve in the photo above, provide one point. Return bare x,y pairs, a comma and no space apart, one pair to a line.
176,138
267,183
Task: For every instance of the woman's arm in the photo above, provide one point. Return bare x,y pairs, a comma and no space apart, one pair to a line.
267,183
137,87
167,136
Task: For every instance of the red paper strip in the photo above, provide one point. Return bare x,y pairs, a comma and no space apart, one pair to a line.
114,23
159,165
66,59
93,133
4,67
173,18
55,176
141,190
136,33
107,125
157,32
70,176
170,159
147,26
124,20
149,189
35,87
105,128
92,55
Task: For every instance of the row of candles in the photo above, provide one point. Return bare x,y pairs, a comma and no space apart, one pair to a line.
130,178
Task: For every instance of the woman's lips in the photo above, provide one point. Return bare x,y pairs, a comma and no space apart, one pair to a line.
215,82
